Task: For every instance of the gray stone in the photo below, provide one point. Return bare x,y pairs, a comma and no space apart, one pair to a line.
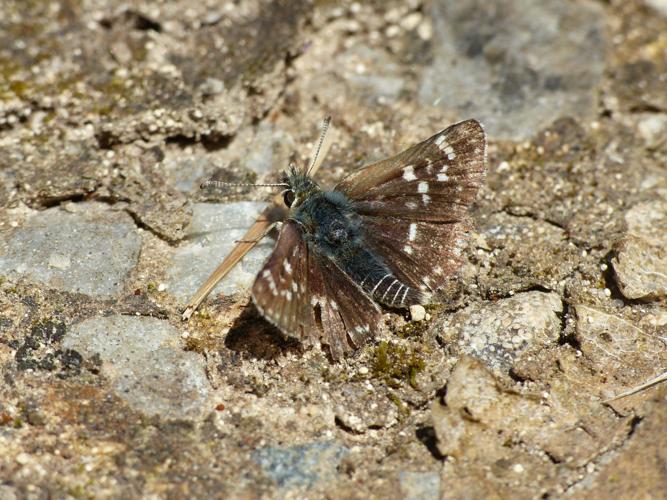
375,74
91,250
641,269
186,169
640,263
499,333
209,239
148,369
513,63
263,149
302,465
419,485
268,150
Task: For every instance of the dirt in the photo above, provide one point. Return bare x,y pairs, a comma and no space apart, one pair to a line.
501,391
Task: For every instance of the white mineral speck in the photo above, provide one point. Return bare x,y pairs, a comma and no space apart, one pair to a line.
417,312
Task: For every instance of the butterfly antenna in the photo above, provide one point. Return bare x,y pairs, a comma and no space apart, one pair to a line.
317,159
218,184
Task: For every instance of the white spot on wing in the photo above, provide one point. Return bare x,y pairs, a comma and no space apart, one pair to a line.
269,279
426,199
422,187
443,177
411,205
287,266
409,173
412,232
444,146
407,249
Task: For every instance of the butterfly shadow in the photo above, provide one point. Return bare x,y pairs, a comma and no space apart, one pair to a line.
252,335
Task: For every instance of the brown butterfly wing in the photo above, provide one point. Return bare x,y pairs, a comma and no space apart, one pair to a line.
414,206
435,180
308,297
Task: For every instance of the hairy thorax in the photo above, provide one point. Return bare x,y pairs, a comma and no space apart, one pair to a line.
330,224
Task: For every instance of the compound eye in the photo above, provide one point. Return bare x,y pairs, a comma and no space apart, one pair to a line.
288,197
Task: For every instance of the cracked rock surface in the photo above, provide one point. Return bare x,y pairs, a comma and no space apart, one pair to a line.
113,113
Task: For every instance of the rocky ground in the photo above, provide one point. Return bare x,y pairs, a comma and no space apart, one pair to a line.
112,113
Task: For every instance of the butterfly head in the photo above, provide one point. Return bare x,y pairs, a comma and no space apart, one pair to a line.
300,187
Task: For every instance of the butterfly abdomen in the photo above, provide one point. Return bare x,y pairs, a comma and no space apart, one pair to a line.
387,289
376,279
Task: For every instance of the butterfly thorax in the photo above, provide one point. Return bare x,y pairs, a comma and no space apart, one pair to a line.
328,221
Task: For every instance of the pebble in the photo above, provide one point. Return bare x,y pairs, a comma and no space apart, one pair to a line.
417,312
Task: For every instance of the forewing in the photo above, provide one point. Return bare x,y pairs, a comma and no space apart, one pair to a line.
307,296
433,181
414,206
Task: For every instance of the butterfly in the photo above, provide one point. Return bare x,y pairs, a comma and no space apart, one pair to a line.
388,234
